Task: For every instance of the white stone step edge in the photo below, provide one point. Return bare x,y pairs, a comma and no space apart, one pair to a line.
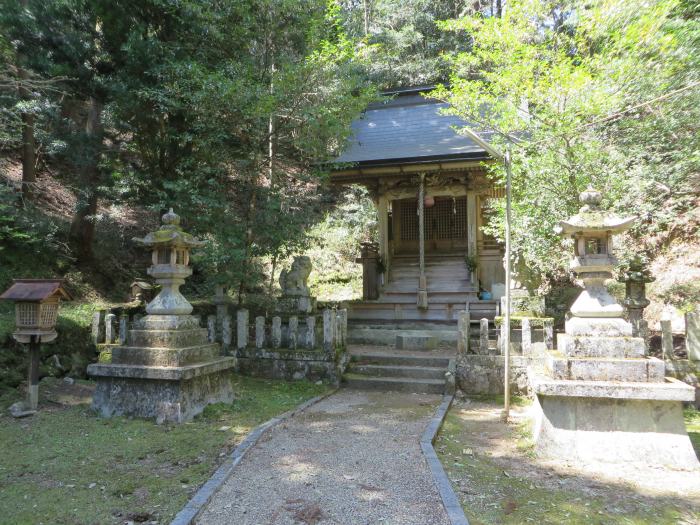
206,492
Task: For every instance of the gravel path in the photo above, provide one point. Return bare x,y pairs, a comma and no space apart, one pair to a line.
352,459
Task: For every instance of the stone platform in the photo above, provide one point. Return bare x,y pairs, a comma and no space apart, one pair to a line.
613,422
167,371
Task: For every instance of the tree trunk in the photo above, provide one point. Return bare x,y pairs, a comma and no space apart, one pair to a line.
82,229
28,142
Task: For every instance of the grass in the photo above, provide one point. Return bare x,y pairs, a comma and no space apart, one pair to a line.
67,466
692,424
492,495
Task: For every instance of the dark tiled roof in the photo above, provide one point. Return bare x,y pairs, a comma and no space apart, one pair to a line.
408,129
34,290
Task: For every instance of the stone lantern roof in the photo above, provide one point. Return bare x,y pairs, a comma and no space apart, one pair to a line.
170,234
592,219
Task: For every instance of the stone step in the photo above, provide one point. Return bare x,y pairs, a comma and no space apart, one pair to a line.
394,384
392,359
413,372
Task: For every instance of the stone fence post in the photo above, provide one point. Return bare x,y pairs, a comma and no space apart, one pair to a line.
226,335
484,336
97,332
123,328
526,337
549,334
328,330
463,327
276,333
311,332
259,332
341,328
242,329
109,328
667,340
292,332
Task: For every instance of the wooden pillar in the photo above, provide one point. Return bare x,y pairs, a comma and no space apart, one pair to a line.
383,216
471,231
33,376
422,300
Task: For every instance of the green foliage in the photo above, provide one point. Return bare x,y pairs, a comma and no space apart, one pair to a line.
566,83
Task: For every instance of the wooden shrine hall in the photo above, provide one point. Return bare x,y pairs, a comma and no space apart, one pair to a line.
432,197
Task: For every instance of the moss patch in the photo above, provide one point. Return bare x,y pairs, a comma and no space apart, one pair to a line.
65,465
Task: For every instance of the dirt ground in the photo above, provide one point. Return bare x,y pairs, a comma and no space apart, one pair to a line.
499,479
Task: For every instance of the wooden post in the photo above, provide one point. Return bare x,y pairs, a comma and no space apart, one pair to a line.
422,299
471,233
33,377
383,216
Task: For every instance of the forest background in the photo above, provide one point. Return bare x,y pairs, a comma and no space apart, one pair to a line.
111,111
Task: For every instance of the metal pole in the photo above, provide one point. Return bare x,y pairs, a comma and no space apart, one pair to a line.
506,387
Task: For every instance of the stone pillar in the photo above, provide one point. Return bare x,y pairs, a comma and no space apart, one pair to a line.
242,329
548,327
276,334
292,335
123,327
463,332
667,339
259,332
226,333
422,299
341,330
526,337
109,328
502,339
484,336
692,335
97,332
328,330
311,332
211,328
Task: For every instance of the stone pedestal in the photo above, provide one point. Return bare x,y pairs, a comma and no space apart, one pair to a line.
297,303
599,398
168,371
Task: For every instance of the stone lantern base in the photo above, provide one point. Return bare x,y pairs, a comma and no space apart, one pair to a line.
613,422
167,371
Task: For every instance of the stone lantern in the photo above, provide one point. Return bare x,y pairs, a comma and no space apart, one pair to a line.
600,398
170,246
167,369
635,279
36,311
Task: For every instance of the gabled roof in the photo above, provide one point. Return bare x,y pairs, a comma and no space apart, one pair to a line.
33,290
408,129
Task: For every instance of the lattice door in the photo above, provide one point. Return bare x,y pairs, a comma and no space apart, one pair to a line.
445,224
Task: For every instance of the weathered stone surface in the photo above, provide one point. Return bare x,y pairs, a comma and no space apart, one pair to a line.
177,395
259,332
168,338
484,336
211,328
290,365
463,322
485,374
226,332
593,369
612,347
549,334
97,333
310,339
164,356
167,322
276,332
293,332
110,332
650,432
416,342
123,327
526,337
598,327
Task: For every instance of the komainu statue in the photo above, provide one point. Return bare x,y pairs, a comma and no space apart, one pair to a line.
294,280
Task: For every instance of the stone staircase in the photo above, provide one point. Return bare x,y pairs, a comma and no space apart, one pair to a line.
396,370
